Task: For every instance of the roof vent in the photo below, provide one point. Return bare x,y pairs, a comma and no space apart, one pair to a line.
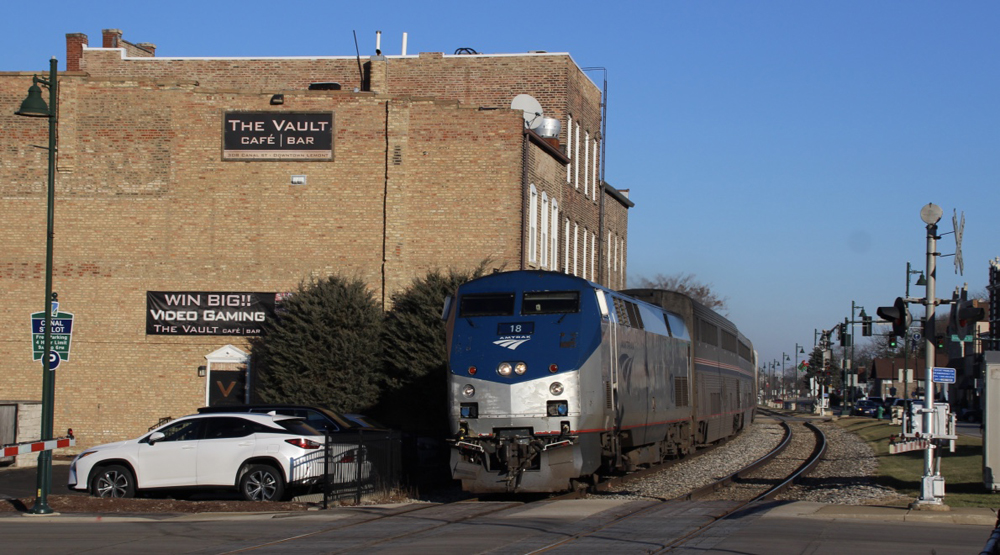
331,86
549,128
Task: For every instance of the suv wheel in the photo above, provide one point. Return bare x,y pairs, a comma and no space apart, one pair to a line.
262,482
113,481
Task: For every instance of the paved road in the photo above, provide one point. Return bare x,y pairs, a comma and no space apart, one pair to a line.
16,483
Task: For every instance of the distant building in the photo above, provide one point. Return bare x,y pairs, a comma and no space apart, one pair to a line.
190,192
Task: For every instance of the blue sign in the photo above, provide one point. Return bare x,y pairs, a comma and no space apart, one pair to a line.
943,375
60,334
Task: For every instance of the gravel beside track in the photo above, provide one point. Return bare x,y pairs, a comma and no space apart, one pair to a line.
845,476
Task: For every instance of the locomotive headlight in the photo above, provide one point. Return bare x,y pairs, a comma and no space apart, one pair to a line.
556,388
504,369
520,368
468,390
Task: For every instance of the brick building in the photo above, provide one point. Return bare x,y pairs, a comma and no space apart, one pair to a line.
166,182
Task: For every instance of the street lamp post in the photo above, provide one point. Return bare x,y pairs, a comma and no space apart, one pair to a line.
906,339
784,380
798,351
34,106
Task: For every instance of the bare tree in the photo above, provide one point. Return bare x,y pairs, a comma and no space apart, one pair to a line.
687,284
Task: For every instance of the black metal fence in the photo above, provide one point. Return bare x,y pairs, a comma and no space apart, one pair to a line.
362,464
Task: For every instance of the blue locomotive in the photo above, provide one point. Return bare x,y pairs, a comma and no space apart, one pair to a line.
554,379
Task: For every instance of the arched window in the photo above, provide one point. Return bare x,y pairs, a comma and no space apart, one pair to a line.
586,157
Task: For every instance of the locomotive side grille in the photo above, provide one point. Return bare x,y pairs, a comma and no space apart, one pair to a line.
607,396
681,392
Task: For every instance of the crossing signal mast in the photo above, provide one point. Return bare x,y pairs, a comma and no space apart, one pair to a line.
932,483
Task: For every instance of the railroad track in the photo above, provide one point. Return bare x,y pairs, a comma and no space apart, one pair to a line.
736,493
554,525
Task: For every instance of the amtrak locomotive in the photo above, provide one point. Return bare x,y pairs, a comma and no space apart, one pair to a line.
554,379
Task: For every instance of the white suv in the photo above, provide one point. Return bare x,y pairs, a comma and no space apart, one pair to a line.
260,454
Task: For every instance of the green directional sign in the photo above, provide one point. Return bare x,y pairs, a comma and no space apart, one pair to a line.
60,334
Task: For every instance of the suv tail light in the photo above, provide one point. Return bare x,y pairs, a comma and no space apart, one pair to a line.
304,443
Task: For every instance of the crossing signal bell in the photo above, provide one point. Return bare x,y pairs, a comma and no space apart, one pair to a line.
898,315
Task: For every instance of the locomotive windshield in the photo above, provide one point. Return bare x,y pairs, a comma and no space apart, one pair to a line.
550,302
486,304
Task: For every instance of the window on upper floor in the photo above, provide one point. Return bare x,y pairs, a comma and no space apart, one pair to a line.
566,249
569,147
544,229
553,258
533,225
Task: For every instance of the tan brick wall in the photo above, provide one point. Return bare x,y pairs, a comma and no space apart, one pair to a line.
422,179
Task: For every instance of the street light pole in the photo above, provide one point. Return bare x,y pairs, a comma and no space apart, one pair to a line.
798,350
906,338
34,106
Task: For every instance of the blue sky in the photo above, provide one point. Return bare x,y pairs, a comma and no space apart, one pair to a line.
780,151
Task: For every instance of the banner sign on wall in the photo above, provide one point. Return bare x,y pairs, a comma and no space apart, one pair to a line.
277,136
207,313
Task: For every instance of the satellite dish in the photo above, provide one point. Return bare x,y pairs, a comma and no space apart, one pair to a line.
530,108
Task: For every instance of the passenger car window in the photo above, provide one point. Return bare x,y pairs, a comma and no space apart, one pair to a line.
226,427
186,430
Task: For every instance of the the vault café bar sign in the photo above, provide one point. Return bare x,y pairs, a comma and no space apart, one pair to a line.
277,136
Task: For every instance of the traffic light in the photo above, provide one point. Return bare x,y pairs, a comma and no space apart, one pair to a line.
892,341
866,325
939,341
964,315
840,333
898,315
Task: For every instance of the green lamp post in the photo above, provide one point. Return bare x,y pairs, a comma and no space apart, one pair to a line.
34,106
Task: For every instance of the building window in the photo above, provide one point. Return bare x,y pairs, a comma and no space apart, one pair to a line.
544,227
586,157
621,262
569,148
566,250
583,255
596,180
533,225
576,158
607,256
553,259
576,245
593,256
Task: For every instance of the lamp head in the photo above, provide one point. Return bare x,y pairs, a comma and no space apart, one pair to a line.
921,280
34,105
